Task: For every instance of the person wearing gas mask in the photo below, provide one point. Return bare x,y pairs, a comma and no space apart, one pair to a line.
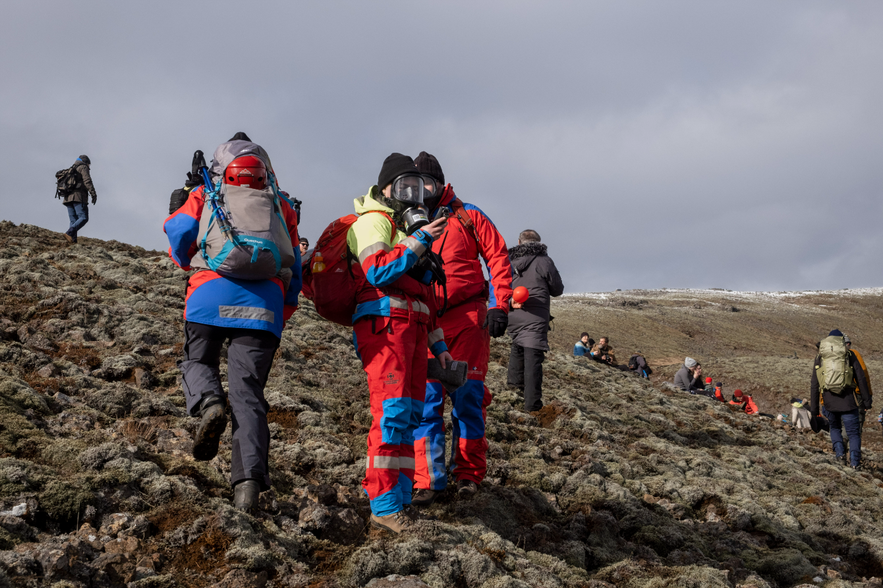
468,323
394,323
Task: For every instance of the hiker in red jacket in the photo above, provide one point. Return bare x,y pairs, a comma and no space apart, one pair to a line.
744,401
476,311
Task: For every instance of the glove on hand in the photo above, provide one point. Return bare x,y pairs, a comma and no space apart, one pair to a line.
193,180
497,320
94,197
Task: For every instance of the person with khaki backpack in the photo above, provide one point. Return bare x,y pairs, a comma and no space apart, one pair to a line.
836,374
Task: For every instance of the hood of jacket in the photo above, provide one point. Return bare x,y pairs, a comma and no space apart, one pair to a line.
369,203
522,255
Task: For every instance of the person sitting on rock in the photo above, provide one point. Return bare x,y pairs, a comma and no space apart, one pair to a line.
689,377
603,353
744,401
800,414
583,346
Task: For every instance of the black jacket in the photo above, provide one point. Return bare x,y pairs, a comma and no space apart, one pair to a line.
840,402
84,186
535,270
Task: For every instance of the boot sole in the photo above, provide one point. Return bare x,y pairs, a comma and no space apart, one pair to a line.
208,437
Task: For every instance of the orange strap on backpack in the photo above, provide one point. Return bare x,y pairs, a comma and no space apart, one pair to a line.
457,206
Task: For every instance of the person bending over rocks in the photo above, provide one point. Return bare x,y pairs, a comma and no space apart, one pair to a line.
744,401
689,377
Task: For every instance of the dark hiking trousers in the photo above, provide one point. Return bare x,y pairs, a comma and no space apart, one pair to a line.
526,372
78,214
849,421
249,359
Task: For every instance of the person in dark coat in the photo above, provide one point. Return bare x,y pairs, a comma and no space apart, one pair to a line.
529,321
77,201
842,410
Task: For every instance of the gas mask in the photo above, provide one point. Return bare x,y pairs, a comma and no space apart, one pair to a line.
431,192
407,200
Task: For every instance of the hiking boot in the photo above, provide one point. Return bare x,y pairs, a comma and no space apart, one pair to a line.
245,495
466,488
208,435
857,467
69,238
424,496
396,522
841,459
412,513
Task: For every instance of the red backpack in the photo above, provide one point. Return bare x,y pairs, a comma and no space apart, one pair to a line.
328,278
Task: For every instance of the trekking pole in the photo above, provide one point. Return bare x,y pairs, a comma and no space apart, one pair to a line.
217,209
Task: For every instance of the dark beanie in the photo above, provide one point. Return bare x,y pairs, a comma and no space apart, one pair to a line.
85,159
394,166
835,333
240,136
584,334
428,164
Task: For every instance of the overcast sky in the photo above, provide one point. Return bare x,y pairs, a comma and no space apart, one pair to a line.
651,144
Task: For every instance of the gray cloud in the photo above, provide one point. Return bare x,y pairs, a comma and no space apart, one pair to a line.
684,144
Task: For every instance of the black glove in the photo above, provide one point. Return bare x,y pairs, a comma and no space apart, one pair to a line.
94,197
497,320
193,180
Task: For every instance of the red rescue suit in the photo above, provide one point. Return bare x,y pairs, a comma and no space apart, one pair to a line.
468,340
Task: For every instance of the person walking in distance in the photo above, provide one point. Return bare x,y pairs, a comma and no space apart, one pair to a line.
77,199
529,321
468,238
835,376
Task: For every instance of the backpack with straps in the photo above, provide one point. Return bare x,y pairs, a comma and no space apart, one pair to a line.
328,278
66,180
834,370
244,235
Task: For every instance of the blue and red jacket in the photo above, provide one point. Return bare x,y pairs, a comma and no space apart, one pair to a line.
213,299
460,249
385,257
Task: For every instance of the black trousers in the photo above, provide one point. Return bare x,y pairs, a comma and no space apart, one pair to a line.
526,372
249,359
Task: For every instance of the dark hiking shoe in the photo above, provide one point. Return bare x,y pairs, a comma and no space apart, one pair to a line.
412,513
842,460
396,522
466,488
245,495
208,436
857,467
424,496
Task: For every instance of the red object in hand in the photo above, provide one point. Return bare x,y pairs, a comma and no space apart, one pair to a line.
520,294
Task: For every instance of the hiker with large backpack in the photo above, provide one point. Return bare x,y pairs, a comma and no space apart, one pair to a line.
836,375
381,284
74,186
239,233
476,310
861,360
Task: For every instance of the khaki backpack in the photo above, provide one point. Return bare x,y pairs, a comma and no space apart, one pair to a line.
833,369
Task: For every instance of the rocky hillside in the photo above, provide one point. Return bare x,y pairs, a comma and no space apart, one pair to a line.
616,482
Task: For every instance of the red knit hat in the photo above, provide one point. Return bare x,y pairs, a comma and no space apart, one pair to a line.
708,380
737,393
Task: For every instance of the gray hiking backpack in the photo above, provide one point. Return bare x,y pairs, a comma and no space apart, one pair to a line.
242,234
833,370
